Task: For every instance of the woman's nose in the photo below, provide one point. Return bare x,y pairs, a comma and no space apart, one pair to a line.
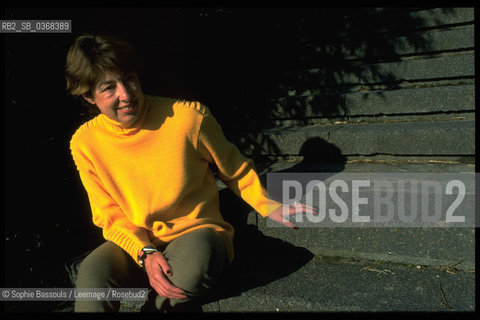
123,92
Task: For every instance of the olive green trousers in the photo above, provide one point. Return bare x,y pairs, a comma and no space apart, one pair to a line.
197,260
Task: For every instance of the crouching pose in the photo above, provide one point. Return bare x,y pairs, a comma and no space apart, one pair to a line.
144,162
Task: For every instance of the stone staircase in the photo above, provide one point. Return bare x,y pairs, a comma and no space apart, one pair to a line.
413,112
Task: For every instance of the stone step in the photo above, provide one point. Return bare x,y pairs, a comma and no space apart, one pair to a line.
450,99
351,74
433,244
427,41
325,285
455,137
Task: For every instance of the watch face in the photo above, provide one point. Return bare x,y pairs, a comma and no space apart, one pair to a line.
149,250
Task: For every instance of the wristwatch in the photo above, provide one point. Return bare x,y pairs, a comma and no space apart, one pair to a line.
145,251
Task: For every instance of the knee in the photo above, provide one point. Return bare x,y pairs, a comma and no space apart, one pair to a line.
93,272
208,251
98,269
199,262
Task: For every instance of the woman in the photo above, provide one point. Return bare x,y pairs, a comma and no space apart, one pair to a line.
144,162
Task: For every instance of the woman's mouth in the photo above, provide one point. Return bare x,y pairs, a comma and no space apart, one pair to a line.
126,109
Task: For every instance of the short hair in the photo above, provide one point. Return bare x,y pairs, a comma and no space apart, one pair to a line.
92,55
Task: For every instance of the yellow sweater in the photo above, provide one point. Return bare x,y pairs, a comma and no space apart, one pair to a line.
149,184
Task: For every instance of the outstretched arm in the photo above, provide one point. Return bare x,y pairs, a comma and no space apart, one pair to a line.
238,172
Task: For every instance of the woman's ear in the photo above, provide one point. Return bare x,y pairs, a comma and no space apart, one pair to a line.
88,98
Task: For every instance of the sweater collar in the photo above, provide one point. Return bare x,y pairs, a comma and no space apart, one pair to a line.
118,128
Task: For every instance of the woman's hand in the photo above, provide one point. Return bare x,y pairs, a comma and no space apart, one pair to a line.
278,215
158,269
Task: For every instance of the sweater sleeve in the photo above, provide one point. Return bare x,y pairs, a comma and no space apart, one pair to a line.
235,170
106,213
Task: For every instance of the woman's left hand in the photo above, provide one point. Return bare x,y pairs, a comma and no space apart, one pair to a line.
279,216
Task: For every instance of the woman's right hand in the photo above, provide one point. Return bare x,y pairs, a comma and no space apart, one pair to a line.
158,270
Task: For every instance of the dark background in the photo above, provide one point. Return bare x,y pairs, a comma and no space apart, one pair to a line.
237,61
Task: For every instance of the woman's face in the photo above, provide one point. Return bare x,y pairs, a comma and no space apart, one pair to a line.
119,97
